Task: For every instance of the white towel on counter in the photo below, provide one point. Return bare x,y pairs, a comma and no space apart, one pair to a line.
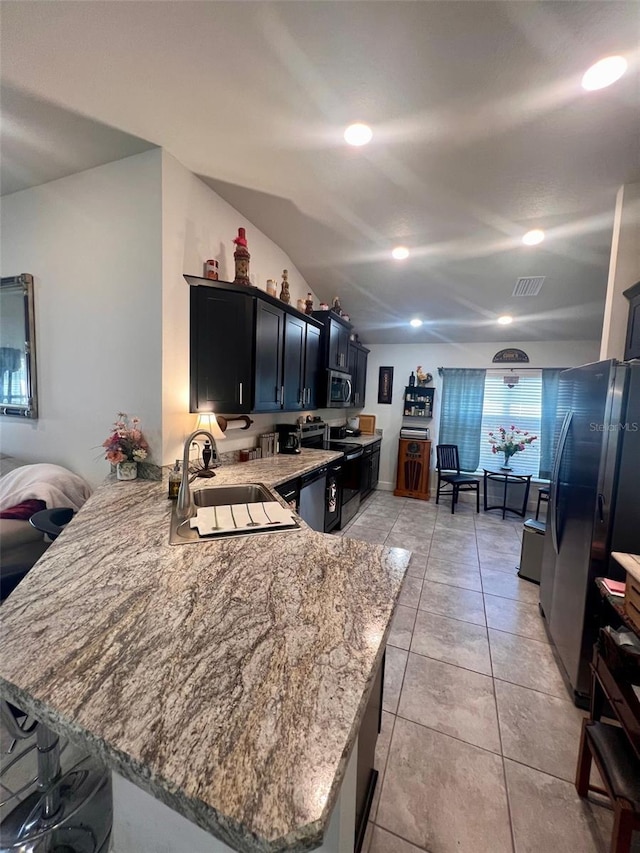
53,484
264,514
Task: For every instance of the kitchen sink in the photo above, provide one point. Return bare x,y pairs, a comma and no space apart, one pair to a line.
182,533
250,493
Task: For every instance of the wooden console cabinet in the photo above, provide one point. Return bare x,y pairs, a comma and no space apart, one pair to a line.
412,479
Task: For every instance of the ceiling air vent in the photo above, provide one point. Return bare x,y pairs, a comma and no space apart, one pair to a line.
528,286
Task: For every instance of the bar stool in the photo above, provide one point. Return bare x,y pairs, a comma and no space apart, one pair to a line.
59,810
543,497
619,769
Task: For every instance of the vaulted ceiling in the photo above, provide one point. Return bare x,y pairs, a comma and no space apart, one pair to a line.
481,132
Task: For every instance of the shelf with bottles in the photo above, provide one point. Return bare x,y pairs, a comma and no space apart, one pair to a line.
418,401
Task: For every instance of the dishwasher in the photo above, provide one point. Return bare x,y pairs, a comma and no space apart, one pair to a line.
312,498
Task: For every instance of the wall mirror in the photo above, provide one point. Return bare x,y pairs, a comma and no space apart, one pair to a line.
17,347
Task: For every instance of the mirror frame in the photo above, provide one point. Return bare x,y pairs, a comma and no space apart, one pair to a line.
31,409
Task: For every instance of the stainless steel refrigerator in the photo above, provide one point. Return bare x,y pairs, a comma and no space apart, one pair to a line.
594,505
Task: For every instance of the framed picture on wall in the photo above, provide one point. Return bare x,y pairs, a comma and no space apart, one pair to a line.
385,385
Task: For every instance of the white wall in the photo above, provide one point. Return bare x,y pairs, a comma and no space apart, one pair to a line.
108,248
93,244
624,270
405,357
198,224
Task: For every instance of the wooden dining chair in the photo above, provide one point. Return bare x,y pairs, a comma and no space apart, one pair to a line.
448,468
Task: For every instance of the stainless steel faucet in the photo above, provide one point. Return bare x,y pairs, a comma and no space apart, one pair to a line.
185,509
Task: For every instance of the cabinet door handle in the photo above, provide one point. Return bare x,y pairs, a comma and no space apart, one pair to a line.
240,389
282,395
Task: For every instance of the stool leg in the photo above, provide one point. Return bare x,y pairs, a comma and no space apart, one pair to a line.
583,770
622,828
538,505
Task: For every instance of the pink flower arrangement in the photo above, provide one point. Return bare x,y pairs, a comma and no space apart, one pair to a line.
126,442
510,441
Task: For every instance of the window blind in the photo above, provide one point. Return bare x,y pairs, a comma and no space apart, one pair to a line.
519,406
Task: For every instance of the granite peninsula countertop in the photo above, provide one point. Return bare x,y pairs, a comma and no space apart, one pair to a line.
226,678
363,440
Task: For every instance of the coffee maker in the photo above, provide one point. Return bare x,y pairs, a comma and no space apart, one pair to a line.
288,438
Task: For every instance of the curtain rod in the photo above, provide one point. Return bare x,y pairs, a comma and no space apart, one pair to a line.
503,367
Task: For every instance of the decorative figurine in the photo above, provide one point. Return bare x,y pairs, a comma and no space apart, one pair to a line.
324,306
336,305
300,305
272,287
241,257
285,296
423,378
308,304
211,269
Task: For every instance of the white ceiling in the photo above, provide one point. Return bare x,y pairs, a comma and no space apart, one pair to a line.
481,131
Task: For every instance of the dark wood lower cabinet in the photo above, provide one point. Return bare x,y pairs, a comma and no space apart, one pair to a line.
366,774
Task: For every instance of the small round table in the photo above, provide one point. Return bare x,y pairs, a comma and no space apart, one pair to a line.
507,477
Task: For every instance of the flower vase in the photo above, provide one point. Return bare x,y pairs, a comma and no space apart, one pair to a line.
506,466
127,470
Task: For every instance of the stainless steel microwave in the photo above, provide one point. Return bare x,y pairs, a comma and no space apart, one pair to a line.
338,389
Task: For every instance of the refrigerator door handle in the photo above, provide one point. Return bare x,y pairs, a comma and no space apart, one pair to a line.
601,508
556,480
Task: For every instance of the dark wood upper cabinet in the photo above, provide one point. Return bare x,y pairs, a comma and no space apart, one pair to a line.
338,346
335,340
222,344
358,370
294,350
312,372
269,351
249,351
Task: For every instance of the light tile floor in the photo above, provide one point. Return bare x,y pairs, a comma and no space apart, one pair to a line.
479,739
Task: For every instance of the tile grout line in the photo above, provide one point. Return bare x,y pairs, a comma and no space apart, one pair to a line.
525,687
401,837
453,737
495,701
456,665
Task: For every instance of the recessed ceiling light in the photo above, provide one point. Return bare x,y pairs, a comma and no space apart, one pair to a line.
505,319
416,323
532,238
604,73
358,134
400,253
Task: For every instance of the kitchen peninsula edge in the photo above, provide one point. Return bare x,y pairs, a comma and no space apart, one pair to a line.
227,679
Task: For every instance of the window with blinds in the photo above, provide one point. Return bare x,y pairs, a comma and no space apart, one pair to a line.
519,406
